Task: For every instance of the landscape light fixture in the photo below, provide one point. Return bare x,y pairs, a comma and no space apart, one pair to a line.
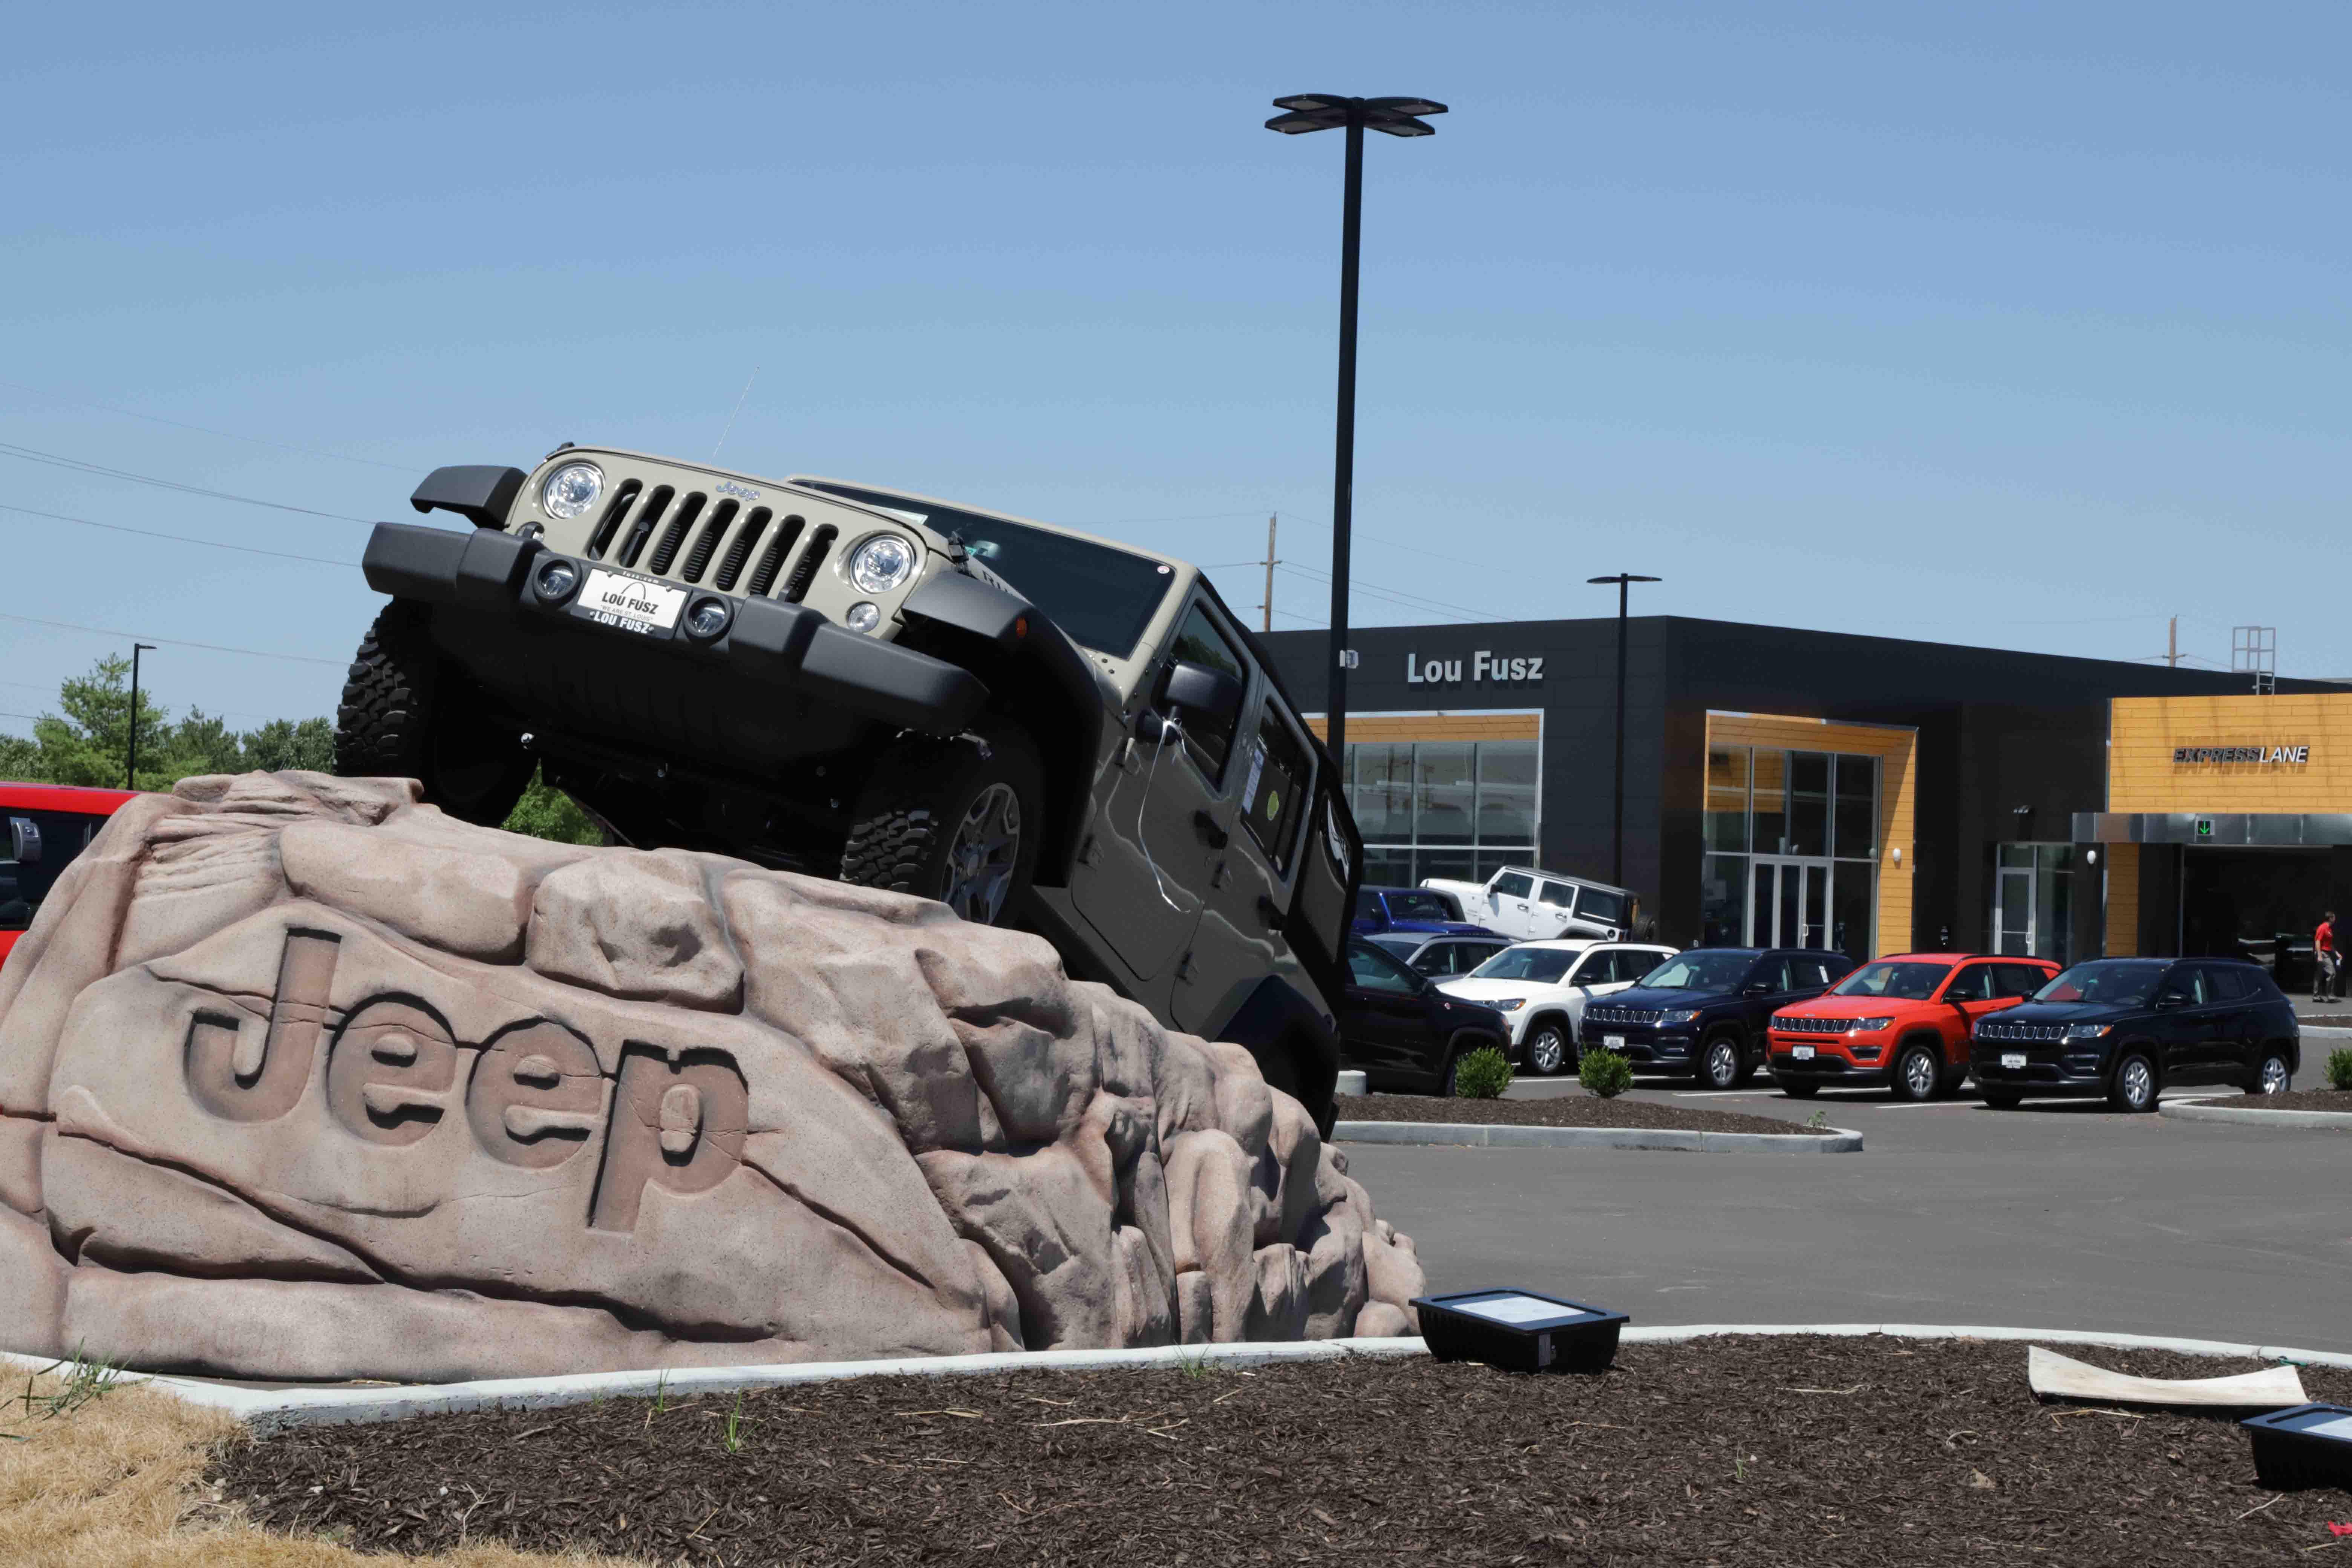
1520,1331
130,761
1397,117
1624,581
2309,1446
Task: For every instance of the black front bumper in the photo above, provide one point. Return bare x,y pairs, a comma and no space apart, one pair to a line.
489,618
1824,1069
1646,1044
2046,1067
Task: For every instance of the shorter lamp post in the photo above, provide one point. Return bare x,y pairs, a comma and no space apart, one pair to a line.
131,762
1624,581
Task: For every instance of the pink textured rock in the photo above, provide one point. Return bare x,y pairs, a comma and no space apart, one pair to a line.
300,1078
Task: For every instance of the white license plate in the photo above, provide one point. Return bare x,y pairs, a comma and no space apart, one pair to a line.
2012,1059
1803,1053
632,604
1615,1042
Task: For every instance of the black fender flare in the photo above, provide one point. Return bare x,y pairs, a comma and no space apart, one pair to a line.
1277,1018
1037,674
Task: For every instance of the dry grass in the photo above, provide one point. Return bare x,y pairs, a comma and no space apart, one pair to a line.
113,1482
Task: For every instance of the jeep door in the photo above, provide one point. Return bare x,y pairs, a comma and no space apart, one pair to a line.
1973,991
1510,904
1141,879
1384,1025
1239,940
2186,1023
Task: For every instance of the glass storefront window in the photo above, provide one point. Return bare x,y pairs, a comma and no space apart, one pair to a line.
1856,832
1809,803
1723,901
1726,799
1460,809
1770,810
2034,901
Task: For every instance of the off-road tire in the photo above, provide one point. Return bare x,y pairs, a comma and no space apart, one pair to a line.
916,798
1561,1060
394,723
1797,1089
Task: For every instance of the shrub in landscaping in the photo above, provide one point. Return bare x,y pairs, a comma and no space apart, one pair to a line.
1483,1074
2339,1069
1606,1072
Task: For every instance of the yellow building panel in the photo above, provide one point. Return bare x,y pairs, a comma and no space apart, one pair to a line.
2123,899
2291,752
1395,728
1897,751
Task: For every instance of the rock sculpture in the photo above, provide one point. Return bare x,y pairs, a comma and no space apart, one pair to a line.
300,1078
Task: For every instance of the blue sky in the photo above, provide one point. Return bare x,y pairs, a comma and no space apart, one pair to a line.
2021,325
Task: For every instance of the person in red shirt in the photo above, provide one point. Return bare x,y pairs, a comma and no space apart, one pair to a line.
2327,968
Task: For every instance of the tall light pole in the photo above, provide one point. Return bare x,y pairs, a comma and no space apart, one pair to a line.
1398,117
1624,581
131,762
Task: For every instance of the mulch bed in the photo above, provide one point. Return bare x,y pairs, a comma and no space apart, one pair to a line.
1736,1451
1559,1111
2299,1100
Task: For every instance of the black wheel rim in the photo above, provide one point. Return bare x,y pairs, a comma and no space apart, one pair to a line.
983,855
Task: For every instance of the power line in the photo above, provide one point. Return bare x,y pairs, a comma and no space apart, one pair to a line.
180,538
1117,521
176,642
53,460
206,429
1394,596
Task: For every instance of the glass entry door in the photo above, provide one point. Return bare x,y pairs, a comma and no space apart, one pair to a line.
1789,904
2033,901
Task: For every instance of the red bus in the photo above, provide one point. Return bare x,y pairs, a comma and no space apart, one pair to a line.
48,826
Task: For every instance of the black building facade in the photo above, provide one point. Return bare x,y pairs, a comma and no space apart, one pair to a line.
1877,793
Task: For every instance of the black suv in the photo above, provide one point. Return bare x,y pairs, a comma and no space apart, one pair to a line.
1705,1012
2132,1026
1404,1032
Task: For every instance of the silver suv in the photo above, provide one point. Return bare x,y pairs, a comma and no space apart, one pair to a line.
1035,726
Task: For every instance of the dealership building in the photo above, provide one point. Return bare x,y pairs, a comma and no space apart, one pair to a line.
1872,794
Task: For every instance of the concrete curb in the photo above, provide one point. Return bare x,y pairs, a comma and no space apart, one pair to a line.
1480,1135
267,1409
2197,1110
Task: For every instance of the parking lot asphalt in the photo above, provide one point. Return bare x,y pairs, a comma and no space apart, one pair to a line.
2059,1215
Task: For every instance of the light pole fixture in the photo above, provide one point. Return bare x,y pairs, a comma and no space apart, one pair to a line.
1624,581
131,762
1398,117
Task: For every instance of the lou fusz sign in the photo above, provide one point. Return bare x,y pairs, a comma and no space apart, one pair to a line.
2266,756
1484,666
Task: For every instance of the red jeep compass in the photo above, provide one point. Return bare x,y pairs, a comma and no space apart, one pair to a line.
1902,1021
48,826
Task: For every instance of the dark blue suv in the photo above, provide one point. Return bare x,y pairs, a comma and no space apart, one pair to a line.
2131,1027
1426,910
1705,1012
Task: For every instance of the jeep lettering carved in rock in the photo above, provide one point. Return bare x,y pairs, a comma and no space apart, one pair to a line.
1035,726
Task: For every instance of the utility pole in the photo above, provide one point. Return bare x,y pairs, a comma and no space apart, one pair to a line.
2172,643
1266,622
131,763
1624,581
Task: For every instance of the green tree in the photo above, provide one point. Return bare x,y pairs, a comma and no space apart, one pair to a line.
283,743
546,811
90,742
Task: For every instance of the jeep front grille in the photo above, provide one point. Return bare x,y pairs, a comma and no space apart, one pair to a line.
641,530
1792,1026
2037,1033
1623,1015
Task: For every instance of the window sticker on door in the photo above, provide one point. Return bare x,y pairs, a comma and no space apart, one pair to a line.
1257,767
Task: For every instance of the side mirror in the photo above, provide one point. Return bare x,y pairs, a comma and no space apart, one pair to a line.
2173,999
1197,689
23,840
1756,989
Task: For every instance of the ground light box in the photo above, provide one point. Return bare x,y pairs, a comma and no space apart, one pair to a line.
2309,1446
1520,1331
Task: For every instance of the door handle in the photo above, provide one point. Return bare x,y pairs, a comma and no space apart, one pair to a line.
1217,836
1268,911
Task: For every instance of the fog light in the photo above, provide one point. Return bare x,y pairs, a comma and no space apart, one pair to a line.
863,617
707,618
1518,1330
555,580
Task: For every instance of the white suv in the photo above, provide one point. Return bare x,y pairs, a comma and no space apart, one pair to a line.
1541,989
1535,906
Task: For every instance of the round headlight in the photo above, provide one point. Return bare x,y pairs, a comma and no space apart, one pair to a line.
883,563
570,491
864,617
706,619
555,579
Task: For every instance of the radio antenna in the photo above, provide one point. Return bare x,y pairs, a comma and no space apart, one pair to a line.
739,408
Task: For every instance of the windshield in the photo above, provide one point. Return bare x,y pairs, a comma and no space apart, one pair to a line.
1101,597
1421,906
1701,971
1543,965
1903,982
2120,982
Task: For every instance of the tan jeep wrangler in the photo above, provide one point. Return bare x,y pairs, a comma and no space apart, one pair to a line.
1035,726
